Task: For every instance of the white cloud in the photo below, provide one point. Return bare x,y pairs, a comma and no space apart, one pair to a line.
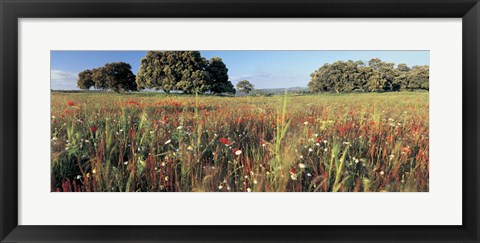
252,76
63,80
59,75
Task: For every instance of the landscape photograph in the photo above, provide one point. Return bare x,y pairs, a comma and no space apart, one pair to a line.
239,121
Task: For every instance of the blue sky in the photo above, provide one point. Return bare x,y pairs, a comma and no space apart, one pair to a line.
265,69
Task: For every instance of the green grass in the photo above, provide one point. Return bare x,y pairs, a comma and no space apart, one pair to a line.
297,143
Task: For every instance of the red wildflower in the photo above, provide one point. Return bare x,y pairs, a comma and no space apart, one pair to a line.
70,103
292,171
93,128
320,138
132,102
373,139
389,138
67,112
225,141
406,149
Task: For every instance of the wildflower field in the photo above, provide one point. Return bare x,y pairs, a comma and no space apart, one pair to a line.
152,142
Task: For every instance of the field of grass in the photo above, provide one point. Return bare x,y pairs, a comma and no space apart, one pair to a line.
314,143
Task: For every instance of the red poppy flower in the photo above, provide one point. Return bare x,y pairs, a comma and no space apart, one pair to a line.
225,141
292,171
93,128
373,139
70,103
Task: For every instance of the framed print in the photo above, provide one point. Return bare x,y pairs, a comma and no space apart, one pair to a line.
239,121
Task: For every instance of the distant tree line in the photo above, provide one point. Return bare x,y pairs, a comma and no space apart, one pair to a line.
377,76
189,72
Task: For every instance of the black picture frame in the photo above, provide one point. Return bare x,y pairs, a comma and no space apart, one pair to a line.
12,10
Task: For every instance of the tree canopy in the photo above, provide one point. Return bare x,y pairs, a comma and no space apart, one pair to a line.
85,79
219,76
245,86
116,76
377,76
186,71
